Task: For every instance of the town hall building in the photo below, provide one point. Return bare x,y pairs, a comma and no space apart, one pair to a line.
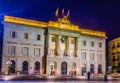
57,47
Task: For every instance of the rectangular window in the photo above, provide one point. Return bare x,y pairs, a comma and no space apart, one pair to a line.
99,57
84,43
25,51
38,37
100,45
92,56
12,50
83,55
13,34
52,52
25,35
53,39
92,44
37,51
72,41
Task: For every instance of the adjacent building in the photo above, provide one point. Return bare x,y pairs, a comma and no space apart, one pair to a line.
114,54
57,47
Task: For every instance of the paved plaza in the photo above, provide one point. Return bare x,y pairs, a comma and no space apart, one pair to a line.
56,78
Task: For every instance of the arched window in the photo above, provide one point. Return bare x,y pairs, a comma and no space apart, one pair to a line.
64,68
25,67
91,68
11,66
83,69
99,68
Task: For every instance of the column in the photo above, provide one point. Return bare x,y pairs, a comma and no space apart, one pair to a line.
58,44
48,44
76,47
68,45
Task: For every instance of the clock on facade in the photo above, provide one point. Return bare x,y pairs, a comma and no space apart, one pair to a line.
63,39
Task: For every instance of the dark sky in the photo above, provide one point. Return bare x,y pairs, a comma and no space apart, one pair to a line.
102,15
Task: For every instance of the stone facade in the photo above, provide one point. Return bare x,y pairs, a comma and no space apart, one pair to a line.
19,42
63,48
71,59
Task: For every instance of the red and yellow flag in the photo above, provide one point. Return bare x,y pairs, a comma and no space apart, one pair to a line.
56,13
63,12
68,13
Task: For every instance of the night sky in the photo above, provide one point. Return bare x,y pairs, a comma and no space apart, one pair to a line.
102,15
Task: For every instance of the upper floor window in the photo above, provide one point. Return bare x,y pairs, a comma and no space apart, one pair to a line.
92,44
38,37
92,56
25,35
72,41
12,49
53,39
100,57
25,51
83,55
100,45
113,46
52,52
37,51
118,44
84,43
13,34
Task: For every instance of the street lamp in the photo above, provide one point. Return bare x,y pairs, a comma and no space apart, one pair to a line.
8,64
51,66
109,69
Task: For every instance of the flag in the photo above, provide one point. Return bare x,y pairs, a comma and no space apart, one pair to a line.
68,13
56,13
63,12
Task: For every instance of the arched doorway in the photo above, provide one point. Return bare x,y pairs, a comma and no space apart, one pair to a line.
53,68
92,68
25,67
37,67
11,66
74,69
83,69
99,68
63,68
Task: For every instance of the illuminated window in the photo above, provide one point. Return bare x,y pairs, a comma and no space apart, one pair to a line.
13,34
12,49
73,41
92,44
25,35
38,37
25,51
52,52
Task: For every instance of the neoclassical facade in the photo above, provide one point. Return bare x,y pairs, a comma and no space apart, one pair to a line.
114,54
57,47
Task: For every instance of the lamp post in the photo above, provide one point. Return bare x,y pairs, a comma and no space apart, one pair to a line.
109,69
8,64
51,67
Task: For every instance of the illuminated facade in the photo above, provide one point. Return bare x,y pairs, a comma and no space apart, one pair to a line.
114,54
57,47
